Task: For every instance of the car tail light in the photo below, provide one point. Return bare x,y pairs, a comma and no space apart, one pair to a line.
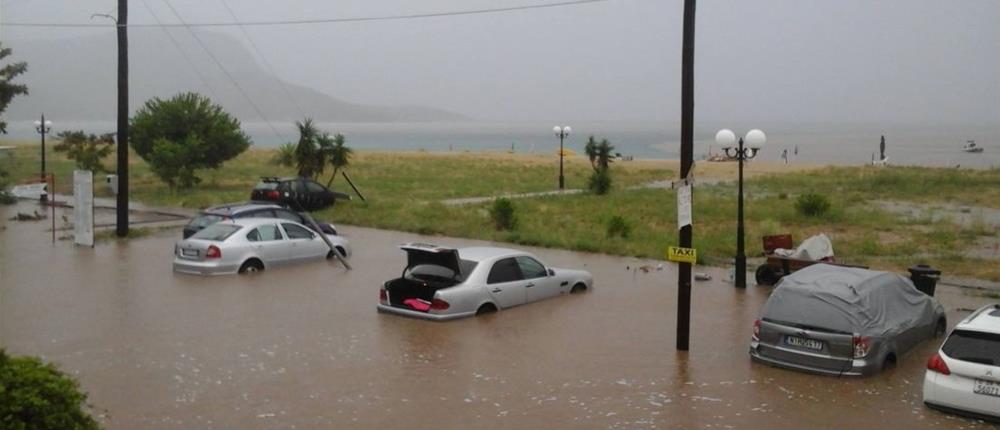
383,296
213,252
756,330
937,364
439,305
862,344
273,194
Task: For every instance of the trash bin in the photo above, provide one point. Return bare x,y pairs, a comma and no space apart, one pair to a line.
925,278
112,181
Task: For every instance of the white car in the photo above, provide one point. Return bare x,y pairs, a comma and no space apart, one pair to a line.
964,376
441,283
252,244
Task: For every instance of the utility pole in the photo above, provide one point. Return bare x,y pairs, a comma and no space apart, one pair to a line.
121,226
687,159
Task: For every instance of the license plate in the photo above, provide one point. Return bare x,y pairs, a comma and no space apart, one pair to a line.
189,252
988,388
804,343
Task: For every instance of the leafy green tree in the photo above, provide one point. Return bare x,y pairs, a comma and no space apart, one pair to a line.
86,150
309,160
38,396
337,153
185,133
9,89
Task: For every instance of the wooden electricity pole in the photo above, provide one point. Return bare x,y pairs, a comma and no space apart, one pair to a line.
687,160
121,225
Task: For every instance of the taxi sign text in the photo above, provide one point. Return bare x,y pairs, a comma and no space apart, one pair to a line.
682,255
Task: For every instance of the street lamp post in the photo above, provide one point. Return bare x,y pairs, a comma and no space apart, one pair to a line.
755,140
43,127
561,133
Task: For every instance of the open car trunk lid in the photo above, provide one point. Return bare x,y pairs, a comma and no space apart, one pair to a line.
422,253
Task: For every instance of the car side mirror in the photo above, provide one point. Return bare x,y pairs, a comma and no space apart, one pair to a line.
552,272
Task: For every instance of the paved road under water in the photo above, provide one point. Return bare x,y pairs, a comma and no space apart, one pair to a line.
304,348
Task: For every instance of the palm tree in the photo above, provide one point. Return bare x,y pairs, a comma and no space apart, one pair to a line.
308,160
337,153
591,150
604,154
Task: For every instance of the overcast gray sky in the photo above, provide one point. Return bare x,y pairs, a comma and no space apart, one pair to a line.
867,61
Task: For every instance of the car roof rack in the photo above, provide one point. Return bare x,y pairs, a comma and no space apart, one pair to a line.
269,179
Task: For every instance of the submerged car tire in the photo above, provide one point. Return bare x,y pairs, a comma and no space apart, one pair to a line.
487,308
940,328
578,288
252,265
766,275
331,255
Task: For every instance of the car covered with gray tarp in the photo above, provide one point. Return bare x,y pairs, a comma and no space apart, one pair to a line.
843,321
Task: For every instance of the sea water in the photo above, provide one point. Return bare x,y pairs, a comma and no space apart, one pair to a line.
840,144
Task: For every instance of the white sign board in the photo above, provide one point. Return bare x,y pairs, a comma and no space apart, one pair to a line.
683,206
83,207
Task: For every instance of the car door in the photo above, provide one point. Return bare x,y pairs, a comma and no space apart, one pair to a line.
319,196
269,244
539,284
303,243
505,283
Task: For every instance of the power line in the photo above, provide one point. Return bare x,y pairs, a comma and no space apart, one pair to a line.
183,53
226,72
326,20
264,60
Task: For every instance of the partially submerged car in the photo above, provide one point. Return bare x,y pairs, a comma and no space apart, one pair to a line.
251,209
251,245
843,321
442,283
963,377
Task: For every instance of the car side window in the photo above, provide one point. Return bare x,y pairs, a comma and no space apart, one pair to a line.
531,268
298,187
313,187
253,236
296,232
268,232
505,270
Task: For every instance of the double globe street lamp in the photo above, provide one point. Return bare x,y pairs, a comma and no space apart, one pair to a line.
754,140
561,133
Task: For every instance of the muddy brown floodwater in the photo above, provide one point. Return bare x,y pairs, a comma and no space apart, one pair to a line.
304,348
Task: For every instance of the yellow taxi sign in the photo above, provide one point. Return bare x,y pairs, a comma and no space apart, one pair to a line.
682,255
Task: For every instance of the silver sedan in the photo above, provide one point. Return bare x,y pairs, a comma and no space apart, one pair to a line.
251,245
442,283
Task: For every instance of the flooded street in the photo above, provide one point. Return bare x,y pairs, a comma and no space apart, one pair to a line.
303,347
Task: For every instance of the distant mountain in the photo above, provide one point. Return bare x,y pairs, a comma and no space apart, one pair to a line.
75,79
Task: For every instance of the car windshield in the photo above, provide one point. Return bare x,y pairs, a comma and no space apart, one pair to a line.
435,273
217,232
973,346
205,220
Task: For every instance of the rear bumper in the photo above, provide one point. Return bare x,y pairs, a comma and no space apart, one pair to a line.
421,315
202,268
953,394
859,367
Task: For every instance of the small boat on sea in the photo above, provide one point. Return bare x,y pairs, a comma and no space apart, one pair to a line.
970,146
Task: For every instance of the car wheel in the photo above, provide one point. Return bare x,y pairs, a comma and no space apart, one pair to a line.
487,308
940,328
252,266
578,288
889,362
331,255
766,275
